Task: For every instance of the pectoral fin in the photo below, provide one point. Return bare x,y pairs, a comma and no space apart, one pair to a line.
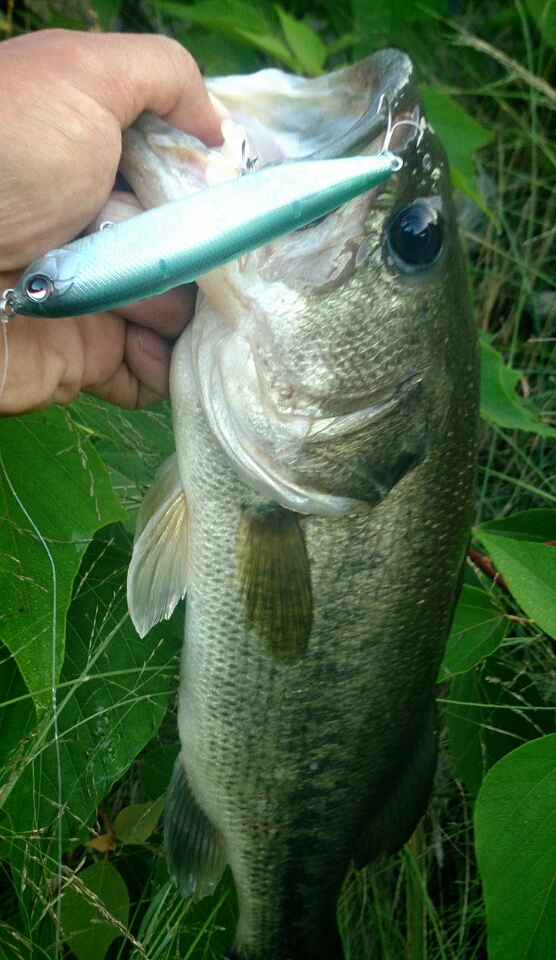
195,853
275,580
156,578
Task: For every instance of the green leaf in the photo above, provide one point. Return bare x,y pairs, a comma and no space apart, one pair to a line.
236,19
306,46
54,494
91,901
529,569
270,45
17,717
218,55
111,700
534,525
490,711
515,830
500,403
544,15
478,629
219,15
461,136
132,443
155,769
134,824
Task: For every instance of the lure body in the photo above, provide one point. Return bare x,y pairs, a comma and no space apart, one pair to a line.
180,241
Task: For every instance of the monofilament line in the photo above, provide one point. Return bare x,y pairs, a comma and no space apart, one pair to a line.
54,700
4,321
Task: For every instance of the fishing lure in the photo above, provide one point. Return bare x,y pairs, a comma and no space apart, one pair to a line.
178,242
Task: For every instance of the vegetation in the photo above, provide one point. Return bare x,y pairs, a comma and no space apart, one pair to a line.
87,728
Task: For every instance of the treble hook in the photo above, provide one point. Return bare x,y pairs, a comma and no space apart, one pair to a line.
247,163
399,123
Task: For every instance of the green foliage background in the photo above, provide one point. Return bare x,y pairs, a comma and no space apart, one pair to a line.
87,726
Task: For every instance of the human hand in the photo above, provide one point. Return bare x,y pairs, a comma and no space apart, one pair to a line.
66,98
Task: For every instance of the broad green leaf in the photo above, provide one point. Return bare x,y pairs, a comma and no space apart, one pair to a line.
499,401
219,55
515,840
155,769
544,15
534,525
134,824
18,717
461,136
306,46
477,630
112,698
219,15
92,900
54,494
270,45
529,569
132,443
236,19
490,711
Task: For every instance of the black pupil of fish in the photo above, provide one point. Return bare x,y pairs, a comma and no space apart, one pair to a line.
38,288
415,235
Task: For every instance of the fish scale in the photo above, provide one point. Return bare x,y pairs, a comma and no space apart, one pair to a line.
317,513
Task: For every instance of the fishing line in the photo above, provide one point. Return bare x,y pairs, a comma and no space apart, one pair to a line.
4,320
53,691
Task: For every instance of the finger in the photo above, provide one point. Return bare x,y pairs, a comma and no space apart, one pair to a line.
120,206
44,363
48,196
142,377
129,73
168,314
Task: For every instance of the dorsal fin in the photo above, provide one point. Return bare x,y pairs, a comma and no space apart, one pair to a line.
156,578
275,581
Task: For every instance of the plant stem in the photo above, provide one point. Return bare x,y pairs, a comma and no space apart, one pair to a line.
415,888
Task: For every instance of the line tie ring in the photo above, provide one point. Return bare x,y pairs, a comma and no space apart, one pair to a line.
7,309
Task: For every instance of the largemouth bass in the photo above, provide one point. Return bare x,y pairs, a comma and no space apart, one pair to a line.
317,510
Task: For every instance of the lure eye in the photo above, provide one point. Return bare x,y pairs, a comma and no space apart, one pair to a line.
415,236
38,288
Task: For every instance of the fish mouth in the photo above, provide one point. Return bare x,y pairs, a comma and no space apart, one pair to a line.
277,118
325,117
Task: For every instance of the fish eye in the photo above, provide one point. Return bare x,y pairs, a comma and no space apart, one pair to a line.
38,288
415,236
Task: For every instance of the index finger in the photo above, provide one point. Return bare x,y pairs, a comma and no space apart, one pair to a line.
126,74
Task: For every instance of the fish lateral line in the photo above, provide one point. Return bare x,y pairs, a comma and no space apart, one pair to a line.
178,242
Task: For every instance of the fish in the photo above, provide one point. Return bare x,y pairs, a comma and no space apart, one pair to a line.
316,512
157,250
